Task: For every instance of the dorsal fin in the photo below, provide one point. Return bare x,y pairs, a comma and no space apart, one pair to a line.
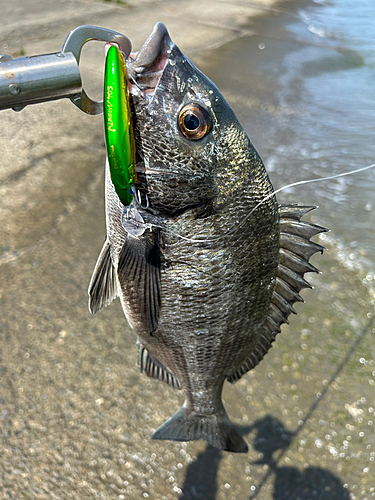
153,369
295,252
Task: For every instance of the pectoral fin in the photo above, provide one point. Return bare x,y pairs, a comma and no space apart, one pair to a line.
103,286
139,278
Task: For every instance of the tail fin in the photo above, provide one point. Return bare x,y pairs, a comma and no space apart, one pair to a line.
217,430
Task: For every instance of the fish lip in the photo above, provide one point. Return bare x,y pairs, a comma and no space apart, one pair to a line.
145,67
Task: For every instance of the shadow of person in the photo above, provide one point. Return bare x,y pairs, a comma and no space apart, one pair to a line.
271,437
200,479
309,484
291,483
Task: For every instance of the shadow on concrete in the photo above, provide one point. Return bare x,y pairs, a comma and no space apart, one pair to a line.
271,437
291,483
200,479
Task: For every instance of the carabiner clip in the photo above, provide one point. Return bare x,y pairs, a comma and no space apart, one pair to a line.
74,43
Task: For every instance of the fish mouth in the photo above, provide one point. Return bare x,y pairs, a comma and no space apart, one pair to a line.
145,67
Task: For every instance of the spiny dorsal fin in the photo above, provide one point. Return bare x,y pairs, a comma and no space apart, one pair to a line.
294,211
297,264
299,245
139,277
300,228
103,286
154,369
295,252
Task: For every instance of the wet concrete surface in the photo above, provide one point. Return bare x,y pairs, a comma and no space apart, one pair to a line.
75,414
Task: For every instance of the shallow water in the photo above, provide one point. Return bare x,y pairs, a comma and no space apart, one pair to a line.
317,116
76,416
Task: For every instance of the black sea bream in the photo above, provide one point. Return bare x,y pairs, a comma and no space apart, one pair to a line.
206,287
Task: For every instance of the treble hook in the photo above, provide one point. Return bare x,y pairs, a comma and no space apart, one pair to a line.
138,199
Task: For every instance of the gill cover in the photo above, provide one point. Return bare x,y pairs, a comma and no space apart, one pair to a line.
118,126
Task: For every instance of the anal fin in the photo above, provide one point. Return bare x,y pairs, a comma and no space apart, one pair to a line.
154,369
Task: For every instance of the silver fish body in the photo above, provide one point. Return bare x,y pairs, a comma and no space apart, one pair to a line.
208,285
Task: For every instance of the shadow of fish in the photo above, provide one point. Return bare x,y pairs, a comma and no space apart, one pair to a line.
208,286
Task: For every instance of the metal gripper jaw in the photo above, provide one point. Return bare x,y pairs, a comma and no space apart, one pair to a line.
47,77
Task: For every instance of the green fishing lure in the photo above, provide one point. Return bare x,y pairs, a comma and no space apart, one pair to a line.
118,126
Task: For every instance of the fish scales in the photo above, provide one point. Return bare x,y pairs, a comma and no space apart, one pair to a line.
208,284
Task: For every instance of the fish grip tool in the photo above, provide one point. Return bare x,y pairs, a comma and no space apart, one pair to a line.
47,77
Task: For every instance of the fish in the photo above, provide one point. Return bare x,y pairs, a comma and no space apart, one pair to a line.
217,264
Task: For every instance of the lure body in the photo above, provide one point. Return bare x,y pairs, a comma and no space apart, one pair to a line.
118,126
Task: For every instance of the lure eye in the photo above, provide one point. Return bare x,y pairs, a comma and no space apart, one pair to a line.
194,121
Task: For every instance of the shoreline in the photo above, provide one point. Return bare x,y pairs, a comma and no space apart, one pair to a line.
53,132
29,25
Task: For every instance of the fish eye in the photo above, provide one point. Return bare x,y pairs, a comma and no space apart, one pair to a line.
194,121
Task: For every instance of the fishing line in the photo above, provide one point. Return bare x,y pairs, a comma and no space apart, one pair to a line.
293,184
